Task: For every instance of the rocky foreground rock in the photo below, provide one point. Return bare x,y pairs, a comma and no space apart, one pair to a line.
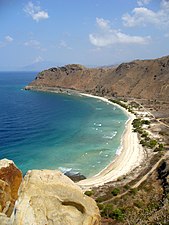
46,197
49,197
10,180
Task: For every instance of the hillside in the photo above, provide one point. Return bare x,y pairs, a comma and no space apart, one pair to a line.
146,79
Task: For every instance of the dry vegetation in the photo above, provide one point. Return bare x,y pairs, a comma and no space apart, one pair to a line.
147,204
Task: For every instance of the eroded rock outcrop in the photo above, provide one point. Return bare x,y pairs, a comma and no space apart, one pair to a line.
49,197
10,180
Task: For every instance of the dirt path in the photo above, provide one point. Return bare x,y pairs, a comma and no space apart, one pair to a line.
152,169
164,124
146,110
140,181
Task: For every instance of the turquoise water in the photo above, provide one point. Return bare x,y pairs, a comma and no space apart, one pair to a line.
50,131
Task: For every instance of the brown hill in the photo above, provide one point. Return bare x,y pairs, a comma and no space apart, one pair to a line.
146,79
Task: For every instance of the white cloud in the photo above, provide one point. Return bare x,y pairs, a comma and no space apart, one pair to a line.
63,44
35,12
40,15
143,16
8,39
102,23
38,59
143,2
109,36
34,44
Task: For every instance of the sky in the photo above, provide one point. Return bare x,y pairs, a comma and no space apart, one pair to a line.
87,32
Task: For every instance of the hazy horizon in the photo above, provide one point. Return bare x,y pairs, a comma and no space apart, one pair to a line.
93,33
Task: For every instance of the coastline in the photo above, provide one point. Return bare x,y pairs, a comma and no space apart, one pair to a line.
130,156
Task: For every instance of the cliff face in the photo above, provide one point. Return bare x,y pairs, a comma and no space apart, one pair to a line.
147,79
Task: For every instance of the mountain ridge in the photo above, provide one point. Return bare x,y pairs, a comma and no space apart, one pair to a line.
148,79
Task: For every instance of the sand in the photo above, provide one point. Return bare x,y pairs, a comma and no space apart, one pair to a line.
130,156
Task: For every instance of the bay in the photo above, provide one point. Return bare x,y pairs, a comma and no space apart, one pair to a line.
40,130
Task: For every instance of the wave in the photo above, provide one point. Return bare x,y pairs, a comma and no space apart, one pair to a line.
69,171
99,108
110,137
97,124
118,152
64,169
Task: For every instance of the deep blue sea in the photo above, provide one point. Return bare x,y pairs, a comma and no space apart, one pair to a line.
56,131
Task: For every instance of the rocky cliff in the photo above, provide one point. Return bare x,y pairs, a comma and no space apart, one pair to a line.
147,79
10,180
45,197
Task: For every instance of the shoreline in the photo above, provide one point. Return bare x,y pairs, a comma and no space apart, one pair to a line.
129,156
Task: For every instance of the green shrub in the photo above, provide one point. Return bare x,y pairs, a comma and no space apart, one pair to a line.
147,122
89,193
100,206
100,199
127,187
143,143
159,148
133,191
115,191
138,130
152,143
137,123
144,134
107,210
117,214
147,139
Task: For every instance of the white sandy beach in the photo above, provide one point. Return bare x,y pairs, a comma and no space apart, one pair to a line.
130,155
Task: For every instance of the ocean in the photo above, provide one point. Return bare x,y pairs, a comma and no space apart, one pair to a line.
40,130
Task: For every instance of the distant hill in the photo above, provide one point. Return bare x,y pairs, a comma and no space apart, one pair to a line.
147,79
39,66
